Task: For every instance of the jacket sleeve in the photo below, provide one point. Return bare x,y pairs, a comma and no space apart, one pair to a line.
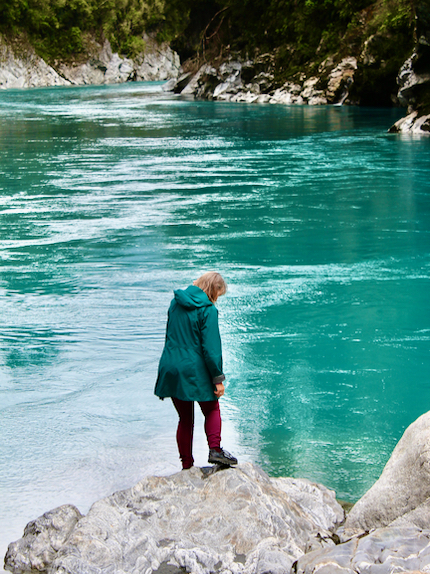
211,344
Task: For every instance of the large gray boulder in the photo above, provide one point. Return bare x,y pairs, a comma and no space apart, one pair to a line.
413,123
42,539
388,529
241,521
236,520
403,486
158,63
385,551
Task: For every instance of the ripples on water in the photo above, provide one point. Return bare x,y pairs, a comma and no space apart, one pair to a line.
112,197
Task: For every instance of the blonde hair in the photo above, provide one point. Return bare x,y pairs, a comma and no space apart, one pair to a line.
212,284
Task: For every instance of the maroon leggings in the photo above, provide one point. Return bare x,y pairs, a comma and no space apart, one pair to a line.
184,434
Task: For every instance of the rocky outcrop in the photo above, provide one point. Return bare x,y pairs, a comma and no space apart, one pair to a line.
253,81
237,520
42,539
157,63
241,521
27,70
414,79
403,486
414,89
413,123
385,551
388,529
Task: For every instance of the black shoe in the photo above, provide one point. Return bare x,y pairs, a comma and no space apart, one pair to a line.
222,457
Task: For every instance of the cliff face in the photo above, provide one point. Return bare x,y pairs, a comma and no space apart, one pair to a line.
414,79
23,68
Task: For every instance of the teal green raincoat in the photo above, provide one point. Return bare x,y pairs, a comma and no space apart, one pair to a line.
191,362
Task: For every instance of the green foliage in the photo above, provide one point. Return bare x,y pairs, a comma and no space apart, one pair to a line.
129,20
56,27
394,15
297,30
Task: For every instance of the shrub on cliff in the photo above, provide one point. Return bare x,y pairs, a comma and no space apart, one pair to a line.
300,32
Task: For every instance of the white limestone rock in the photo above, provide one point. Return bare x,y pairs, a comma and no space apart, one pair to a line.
235,521
194,85
403,486
414,82
289,94
385,551
412,124
318,503
253,81
388,530
248,97
42,539
419,517
317,99
231,81
26,70
408,80
158,63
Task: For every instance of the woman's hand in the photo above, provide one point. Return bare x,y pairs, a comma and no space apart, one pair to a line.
220,390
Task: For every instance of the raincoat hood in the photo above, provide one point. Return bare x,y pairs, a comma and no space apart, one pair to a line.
192,298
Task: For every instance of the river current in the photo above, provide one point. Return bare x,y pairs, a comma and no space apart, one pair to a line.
111,197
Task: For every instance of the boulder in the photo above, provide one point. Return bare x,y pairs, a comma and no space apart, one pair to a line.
42,539
388,529
403,486
290,93
159,62
229,81
241,521
237,520
413,123
385,551
411,82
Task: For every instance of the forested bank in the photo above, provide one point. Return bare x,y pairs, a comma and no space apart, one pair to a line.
299,32
297,38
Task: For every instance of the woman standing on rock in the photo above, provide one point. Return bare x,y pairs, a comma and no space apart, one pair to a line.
190,367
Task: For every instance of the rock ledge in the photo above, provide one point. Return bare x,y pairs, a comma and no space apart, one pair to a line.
238,520
241,521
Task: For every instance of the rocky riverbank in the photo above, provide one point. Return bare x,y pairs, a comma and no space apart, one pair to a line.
239,521
362,73
23,68
253,81
336,81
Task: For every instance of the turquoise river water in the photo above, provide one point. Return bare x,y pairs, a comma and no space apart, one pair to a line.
111,197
